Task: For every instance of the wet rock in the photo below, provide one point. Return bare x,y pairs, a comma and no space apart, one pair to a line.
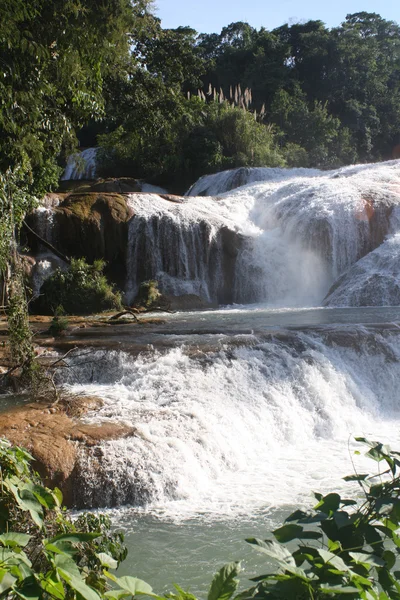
56,438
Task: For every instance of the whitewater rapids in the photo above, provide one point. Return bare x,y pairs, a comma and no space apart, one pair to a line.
254,425
294,233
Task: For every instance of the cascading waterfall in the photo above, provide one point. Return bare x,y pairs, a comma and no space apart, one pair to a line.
283,240
236,429
372,281
298,233
243,411
225,181
81,165
178,244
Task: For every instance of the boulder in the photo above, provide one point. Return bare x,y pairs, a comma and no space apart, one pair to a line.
55,437
92,225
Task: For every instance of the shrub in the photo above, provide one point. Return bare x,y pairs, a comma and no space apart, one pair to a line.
43,554
148,294
82,289
59,323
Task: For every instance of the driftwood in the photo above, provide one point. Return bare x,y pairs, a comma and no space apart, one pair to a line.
47,244
122,313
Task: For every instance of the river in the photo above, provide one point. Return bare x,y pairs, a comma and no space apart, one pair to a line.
240,414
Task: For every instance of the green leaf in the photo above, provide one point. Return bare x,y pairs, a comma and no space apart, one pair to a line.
224,583
286,533
79,586
133,585
53,588
107,561
361,477
74,538
274,550
58,496
296,516
6,581
390,559
328,503
67,565
13,539
338,589
61,548
333,559
366,558
29,590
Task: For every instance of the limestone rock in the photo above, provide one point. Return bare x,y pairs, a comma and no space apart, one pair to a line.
54,435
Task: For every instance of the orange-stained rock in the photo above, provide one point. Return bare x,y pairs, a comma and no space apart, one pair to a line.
54,435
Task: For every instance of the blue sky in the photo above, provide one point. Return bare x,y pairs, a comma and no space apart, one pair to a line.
209,16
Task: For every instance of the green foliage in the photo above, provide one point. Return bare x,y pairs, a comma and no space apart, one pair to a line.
55,57
191,138
346,548
148,294
43,554
81,289
59,323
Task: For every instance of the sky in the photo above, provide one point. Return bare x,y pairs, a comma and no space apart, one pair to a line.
209,16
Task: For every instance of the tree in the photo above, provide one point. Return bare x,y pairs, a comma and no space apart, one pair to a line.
54,58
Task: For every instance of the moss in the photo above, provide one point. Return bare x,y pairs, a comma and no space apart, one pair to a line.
94,205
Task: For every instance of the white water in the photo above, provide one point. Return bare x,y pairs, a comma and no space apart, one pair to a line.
296,233
236,419
218,183
239,430
81,165
46,265
373,280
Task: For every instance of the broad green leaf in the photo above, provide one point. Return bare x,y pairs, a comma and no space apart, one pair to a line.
361,477
286,533
44,497
107,561
389,558
134,585
224,584
333,559
339,589
328,503
79,586
53,588
273,549
13,539
29,590
6,580
58,496
61,548
67,565
370,559
296,515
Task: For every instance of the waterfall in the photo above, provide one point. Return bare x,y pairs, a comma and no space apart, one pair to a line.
178,244
225,181
81,165
374,280
298,230
231,430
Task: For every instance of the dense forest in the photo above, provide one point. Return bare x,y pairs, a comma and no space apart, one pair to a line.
169,105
